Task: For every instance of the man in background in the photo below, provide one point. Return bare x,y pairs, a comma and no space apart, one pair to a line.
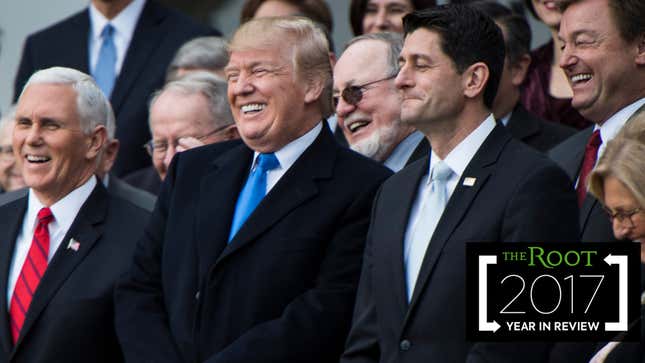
368,105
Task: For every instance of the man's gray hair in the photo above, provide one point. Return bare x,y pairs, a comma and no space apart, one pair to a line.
394,42
91,104
207,84
205,53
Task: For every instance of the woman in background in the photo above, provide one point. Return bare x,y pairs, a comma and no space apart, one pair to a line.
546,91
618,181
375,16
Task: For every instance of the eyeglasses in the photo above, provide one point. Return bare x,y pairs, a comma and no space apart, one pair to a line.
158,149
623,216
6,153
354,94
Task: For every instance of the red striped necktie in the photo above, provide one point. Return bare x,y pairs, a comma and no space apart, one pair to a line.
32,271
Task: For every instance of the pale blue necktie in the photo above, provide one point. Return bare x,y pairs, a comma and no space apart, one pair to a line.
431,209
254,190
104,72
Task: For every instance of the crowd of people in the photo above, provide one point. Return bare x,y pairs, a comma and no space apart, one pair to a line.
168,195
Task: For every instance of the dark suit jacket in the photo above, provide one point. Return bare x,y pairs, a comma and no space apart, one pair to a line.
519,195
594,224
71,317
157,36
535,132
138,197
146,179
422,150
281,291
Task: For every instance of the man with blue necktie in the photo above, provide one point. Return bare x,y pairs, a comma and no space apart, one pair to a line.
126,45
254,250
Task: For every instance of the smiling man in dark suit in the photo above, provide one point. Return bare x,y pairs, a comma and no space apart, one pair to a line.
65,243
129,61
253,252
477,185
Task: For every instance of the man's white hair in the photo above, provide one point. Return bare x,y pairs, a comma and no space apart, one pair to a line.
92,106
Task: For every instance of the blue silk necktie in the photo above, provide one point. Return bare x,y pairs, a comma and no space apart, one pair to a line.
254,190
105,73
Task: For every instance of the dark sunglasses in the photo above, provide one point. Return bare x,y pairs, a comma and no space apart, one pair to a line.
354,94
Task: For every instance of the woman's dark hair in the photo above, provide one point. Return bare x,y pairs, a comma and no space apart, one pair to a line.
357,12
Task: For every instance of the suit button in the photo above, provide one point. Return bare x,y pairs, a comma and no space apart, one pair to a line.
405,345
197,295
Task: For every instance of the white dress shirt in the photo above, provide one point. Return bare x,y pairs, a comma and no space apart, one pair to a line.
124,24
458,159
64,212
288,155
402,152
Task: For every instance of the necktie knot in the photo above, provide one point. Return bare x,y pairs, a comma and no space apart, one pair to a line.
441,172
595,141
107,31
45,216
267,162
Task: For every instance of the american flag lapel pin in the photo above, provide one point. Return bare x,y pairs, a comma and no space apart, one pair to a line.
73,245
469,181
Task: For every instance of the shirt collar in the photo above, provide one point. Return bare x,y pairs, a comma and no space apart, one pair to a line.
292,151
64,210
459,157
124,23
402,152
612,126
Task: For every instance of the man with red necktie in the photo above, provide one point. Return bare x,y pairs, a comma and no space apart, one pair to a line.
67,240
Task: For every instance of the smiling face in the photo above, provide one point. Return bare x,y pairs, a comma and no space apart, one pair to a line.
431,88
372,127
268,101
385,15
602,67
53,153
548,12
10,176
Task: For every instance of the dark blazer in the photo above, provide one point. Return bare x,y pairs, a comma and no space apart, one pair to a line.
146,179
519,195
157,36
422,150
281,291
594,224
71,317
535,132
138,197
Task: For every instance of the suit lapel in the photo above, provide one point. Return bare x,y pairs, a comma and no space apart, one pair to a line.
145,39
78,55
522,125
398,211
295,187
228,175
422,149
86,229
459,203
573,162
11,216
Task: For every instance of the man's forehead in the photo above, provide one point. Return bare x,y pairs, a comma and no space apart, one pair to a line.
360,63
48,97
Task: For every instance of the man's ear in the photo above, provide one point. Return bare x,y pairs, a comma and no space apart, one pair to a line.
475,78
96,141
640,56
519,69
314,90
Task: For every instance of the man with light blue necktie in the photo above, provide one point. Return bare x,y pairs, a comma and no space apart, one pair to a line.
254,251
477,184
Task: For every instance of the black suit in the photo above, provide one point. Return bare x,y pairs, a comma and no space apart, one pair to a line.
533,131
594,224
518,195
157,36
138,197
146,179
281,291
421,150
71,316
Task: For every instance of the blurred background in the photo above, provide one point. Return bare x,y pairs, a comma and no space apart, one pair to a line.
19,18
